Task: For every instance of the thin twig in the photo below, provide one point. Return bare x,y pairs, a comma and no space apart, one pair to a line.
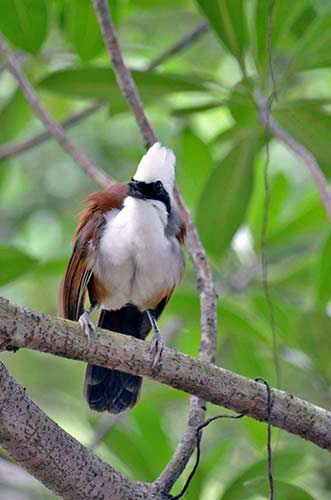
203,271
182,44
198,446
266,208
122,73
54,128
269,451
299,149
16,148
235,417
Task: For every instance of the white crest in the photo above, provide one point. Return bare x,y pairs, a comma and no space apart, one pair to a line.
157,164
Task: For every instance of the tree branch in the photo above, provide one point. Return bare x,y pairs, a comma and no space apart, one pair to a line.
98,175
300,150
182,44
54,457
122,73
16,148
198,256
22,327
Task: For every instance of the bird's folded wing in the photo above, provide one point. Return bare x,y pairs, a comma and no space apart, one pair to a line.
79,270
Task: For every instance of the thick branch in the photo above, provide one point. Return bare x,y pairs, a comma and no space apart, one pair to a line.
53,127
21,327
53,456
16,148
300,150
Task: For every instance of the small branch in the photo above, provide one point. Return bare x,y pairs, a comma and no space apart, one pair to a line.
197,253
21,327
300,150
122,73
16,148
53,127
182,44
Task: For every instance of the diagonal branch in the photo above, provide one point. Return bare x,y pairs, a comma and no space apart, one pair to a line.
52,126
183,43
16,148
21,327
198,256
299,149
53,456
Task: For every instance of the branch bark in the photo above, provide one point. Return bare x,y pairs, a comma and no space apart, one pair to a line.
299,149
198,255
53,456
22,327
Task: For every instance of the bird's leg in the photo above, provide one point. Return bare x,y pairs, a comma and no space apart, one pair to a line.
156,344
85,321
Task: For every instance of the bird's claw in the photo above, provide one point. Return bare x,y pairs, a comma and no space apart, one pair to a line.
87,325
156,347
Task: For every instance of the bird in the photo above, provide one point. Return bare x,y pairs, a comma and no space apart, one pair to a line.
127,258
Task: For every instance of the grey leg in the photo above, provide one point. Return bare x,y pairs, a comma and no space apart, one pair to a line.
86,323
156,344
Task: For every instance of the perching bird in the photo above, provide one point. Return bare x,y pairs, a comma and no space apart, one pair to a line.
128,256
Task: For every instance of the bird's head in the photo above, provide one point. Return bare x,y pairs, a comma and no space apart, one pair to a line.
155,176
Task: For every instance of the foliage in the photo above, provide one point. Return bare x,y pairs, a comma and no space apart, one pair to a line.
201,104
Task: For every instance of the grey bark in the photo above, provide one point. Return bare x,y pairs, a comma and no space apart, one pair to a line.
21,327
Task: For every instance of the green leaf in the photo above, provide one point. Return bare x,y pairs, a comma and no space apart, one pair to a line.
308,218
13,264
283,18
228,19
97,82
194,165
279,189
313,51
225,197
125,446
297,117
83,29
313,333
323,289
14,116
282,490
149,422
24,23
285,463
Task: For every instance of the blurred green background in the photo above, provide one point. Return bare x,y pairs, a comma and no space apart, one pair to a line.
200,102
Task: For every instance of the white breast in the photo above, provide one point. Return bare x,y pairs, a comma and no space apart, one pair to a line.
135,260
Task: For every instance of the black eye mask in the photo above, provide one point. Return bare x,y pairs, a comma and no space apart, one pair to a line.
150,191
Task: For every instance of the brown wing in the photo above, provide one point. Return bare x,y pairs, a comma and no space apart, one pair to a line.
79,270
78,276
157,304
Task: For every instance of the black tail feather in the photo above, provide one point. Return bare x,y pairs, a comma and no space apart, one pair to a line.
113,390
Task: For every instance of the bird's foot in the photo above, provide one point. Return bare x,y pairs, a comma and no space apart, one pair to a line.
87,324
156,347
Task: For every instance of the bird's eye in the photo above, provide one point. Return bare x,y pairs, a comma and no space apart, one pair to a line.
158,185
